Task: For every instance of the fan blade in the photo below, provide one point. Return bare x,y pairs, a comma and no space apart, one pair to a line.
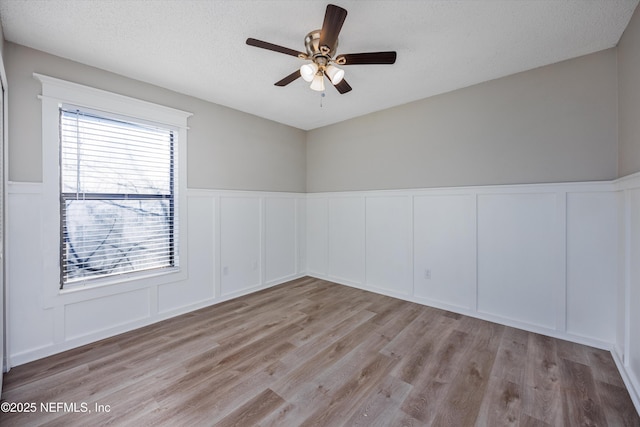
343,87
291,77
366,58
274,47
333,19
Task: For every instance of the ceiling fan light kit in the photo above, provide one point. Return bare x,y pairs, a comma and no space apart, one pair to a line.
317,83
334,73
321,46
308,71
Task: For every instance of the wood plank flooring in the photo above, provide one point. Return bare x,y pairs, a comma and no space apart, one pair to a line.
314,353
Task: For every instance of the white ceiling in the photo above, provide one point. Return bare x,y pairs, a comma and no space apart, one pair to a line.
197,47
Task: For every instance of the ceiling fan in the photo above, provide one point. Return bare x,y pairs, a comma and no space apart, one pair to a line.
321,46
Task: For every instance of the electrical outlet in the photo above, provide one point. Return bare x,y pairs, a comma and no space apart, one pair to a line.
225,271
427,274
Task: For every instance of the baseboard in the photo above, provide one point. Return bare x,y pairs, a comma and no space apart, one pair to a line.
632,386
513,323
50,350
629,381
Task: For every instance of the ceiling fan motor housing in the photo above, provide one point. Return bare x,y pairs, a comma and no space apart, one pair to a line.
321,55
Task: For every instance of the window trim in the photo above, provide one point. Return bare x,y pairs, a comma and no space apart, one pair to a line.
57,93
170,196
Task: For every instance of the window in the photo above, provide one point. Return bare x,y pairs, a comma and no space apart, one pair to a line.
117,204
114,191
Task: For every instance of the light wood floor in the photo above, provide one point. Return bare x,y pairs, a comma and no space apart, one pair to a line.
311,352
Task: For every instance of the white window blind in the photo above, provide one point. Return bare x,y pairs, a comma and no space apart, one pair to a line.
117,201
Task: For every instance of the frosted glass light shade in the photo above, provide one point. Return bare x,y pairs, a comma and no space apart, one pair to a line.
318,82
307,71
335,74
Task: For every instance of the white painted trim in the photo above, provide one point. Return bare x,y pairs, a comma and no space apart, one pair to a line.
208,192
475,294
625,185
587,186
55,92
296,242
58,347
217,195
5,363
17,187
476,314
562,190
65,92
60,343
632,385
561,289
412,243
262,231
363,248
217,246
559,268
627,182
627,279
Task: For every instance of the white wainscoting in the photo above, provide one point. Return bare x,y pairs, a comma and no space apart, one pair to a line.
131,306
444,252
240,244
317,236
202,285
516,254
237,242
518,271
389,239
634,288
592,222
346,239
280,239
557,259
627,353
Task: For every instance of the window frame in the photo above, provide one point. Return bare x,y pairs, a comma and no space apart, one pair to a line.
57,93
71,196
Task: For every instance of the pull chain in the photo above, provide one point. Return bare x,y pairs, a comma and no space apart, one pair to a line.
321,96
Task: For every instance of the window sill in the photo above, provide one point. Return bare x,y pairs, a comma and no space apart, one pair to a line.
100,288
91,283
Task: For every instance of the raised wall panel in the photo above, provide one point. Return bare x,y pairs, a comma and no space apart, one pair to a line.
96,315
280,236
517,257
388,244
224,228
633,298
240,243
445,249
29,326
201,266
301,236
621,299
346,239
317,236
592,264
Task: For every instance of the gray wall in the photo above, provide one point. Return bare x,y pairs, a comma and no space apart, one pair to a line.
629,97
1,41
227,149
553,124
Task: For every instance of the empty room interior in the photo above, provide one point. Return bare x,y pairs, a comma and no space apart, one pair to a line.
198,229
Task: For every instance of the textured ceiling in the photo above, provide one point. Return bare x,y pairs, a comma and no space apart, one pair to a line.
198,47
